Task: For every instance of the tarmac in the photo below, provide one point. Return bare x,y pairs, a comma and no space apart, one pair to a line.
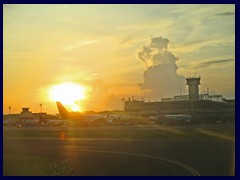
63,156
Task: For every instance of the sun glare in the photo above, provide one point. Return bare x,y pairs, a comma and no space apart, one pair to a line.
68,93
76,108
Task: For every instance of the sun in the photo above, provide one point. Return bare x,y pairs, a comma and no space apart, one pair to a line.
68,93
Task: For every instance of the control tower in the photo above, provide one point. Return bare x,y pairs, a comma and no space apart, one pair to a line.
193,91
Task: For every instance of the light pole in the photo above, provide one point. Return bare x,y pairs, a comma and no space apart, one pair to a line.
9,109
41,108
123,99
40,115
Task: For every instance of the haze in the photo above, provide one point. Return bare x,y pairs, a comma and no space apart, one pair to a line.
115,52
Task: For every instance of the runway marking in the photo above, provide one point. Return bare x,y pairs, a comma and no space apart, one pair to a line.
184,166
218,135
119,139
188,168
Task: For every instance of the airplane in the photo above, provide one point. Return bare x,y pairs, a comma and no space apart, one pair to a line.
86,119
172,118
54,122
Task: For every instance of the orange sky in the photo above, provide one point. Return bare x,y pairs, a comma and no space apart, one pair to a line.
97,47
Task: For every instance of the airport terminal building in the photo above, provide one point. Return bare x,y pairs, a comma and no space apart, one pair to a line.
26,117
201,107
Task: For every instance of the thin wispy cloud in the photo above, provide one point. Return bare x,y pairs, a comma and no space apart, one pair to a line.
214,63
66,6
126,39
78,44
196,45
209,63
226,14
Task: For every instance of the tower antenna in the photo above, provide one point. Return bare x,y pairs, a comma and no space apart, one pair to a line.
180,90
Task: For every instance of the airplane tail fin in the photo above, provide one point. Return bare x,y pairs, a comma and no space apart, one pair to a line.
62,110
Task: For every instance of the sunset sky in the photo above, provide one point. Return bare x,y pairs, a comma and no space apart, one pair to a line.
114,52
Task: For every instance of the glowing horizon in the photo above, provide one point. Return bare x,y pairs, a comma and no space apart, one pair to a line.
108,49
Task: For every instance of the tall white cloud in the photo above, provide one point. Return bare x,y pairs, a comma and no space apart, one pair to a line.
160,77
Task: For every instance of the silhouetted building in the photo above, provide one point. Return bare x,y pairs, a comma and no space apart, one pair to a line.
193,91
200,106
26,117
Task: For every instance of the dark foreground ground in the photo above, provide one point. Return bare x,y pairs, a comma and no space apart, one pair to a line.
192,150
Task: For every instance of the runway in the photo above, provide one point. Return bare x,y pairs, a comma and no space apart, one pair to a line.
69,156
